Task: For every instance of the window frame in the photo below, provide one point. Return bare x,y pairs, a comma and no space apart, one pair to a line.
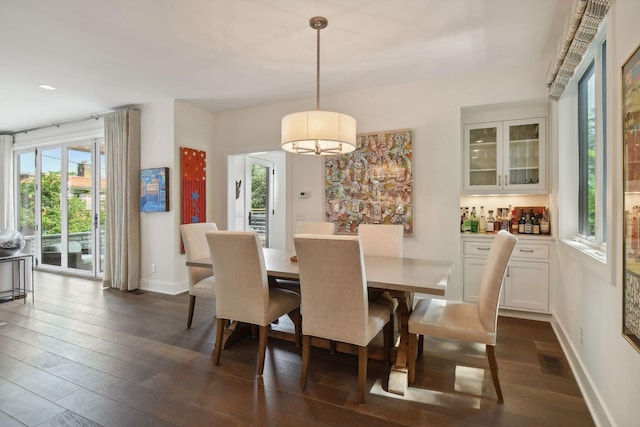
594,63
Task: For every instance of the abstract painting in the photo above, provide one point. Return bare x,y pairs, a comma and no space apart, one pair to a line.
373,184
193,170
154,190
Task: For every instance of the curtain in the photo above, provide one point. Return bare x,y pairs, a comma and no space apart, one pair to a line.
122,237
6,182
580,31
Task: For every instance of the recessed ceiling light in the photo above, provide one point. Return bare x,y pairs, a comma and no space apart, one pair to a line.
47,87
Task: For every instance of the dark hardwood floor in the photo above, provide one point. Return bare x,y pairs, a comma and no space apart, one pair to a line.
84,356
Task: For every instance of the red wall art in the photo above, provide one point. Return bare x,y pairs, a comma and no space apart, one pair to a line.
193,169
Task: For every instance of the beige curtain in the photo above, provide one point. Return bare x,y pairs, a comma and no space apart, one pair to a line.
579,32
122,238
6,182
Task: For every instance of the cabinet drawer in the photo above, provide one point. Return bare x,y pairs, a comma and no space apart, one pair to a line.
522,250
477,248
530,250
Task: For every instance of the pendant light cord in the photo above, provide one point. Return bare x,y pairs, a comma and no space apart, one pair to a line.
318,69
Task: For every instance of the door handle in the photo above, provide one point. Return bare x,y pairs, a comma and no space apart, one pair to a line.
506,179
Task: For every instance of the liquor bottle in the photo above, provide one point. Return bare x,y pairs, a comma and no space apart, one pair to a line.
461,219
482,222
513,226
535,225
474,220
544,223
521,224
498,225
490,221
527,223
506,218
467,221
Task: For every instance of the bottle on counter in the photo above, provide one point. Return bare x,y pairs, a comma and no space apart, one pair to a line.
514,222
490,222
527,222
506,218
467,221
521,224
535,224
482,222
498,222
544,223
474,220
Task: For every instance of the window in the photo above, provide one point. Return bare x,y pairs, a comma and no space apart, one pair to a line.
592,149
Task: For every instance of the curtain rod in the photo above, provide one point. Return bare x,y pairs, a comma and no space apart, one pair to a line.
59,123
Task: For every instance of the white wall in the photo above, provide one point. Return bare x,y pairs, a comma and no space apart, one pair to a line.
167,126
588,296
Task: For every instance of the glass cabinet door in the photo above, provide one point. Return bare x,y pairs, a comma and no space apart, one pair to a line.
483,156
524,145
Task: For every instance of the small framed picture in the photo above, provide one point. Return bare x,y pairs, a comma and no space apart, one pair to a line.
154,190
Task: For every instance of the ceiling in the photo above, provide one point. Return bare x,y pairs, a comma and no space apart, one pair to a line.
223,55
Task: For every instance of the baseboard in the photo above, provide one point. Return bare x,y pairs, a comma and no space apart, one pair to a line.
528,315
601,416
169,288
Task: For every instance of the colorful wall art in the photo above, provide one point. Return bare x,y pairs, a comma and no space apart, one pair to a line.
373,184
631,199
154,190
193,169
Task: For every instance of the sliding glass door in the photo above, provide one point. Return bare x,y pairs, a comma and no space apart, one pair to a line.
61,205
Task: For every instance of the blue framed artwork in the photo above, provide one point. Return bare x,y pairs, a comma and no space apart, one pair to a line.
154,190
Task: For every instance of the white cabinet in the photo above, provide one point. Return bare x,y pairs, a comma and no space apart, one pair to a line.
505,157
526,281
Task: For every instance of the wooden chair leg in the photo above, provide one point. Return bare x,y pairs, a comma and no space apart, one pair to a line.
262,350
413,354
296,317
388,334
362,373
219,335
420,344
332,346
306,355
192,304
493,365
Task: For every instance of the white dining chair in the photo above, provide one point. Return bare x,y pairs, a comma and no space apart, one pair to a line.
315,227
383,240
242,289
464,321
334,299
201,280
305,227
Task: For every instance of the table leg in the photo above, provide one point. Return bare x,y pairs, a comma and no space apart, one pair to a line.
399,374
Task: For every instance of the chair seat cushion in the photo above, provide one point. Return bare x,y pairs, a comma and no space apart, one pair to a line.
449,319
386,299
379,315
204,288
281,301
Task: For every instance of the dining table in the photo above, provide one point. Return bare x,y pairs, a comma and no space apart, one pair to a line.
399,276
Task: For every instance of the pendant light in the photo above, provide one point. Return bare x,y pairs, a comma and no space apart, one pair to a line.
318,132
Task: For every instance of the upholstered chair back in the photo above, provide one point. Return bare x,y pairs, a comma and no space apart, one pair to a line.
333,288
315,227
196,247
242,289
492,275
381,239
